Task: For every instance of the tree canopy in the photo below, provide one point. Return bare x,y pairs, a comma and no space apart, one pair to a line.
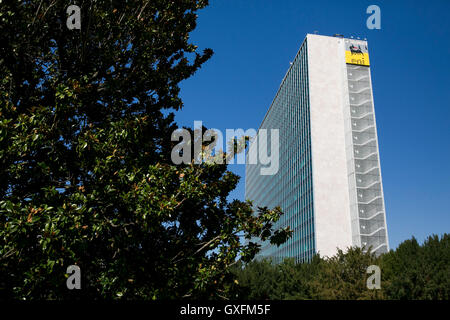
86,176
411,271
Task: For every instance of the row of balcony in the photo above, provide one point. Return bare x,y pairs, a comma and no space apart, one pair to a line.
370,220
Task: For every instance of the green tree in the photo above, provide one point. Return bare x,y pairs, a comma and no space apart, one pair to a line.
402,269
418,272
85,169
436,255
257,280
412,271
296,284
264,279
344,276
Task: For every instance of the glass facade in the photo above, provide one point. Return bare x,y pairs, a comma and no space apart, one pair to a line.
291,187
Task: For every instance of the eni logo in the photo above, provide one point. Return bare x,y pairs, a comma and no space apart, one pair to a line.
354,54
355,50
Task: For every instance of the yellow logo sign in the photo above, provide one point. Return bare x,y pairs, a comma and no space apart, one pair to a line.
355,55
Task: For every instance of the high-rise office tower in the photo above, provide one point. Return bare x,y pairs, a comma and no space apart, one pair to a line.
329,179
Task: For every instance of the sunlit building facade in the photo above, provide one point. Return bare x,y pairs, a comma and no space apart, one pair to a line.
329,182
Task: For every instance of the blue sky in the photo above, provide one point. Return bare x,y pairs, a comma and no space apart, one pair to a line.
254,41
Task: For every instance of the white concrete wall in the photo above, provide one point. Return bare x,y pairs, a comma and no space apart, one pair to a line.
327,87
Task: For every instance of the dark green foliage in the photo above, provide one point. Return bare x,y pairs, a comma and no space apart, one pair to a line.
85,171
419,272
343,276
258,280
409,272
